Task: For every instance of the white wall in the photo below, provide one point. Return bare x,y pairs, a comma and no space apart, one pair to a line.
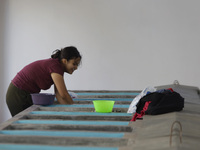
3,107
126,44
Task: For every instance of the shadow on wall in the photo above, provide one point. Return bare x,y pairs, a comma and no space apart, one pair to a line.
3,107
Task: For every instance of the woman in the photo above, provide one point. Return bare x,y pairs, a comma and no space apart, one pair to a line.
42,74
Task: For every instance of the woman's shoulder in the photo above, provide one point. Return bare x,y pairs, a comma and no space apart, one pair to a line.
48,61
44,63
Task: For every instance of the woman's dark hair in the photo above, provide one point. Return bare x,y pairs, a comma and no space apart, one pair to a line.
68,53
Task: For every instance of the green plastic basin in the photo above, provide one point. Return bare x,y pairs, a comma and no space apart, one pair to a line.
103,106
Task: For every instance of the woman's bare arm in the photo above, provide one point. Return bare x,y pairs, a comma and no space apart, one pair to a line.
62,95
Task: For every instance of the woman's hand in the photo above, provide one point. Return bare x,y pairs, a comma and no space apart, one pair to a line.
62,95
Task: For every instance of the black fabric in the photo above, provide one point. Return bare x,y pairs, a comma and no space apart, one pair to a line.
161,103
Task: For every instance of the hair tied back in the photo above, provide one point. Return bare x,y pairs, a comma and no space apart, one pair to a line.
56,54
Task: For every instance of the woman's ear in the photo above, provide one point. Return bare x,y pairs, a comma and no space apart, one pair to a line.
64,61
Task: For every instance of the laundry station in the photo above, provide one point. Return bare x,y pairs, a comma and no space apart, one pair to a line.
79,127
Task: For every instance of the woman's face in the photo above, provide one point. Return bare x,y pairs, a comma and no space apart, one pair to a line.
71,65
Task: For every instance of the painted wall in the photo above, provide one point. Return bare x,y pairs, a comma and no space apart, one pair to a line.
126,44
3,107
